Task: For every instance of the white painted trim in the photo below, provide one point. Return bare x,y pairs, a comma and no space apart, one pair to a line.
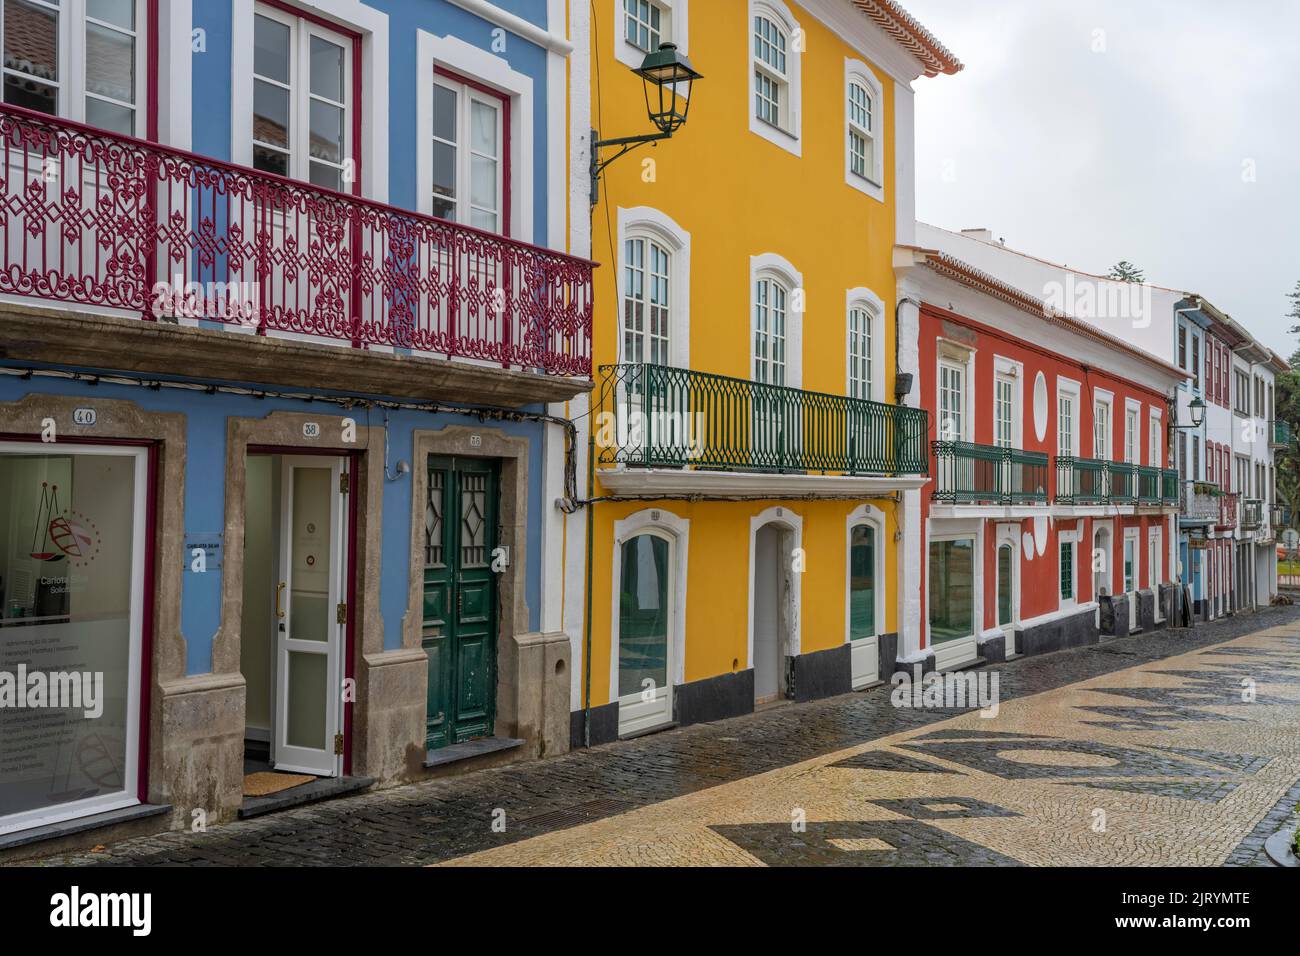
1068,387
678,530
871,515
455,54
960,650
875,308
372,24
129,795
1008,534
791,139
1010,368
679,32
770,264
670,481
646,221
904,164
853,27
874,185
176,65
547,39
957,354
793,523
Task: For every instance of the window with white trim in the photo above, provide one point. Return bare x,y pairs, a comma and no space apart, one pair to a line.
1132,439
1156,444
79,59
645,23
1065,425
952,401
647,302
1101,430
1067,567
862,345
1003,411
775,51
771,79
771,305
468,154
864,122
302,90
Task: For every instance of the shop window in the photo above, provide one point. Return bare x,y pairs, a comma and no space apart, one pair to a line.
952,590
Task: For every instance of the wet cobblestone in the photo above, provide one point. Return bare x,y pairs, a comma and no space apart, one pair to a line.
443,820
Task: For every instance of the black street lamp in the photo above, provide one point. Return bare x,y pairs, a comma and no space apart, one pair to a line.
668,78
1197,408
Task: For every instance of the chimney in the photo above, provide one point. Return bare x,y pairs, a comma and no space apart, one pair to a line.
985,235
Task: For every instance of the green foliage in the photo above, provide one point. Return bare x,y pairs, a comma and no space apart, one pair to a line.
1287,400
1125,271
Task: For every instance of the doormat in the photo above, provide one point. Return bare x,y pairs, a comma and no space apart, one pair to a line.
265,783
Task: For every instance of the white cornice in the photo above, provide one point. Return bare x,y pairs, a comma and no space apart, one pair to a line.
853,27
517,25
677,481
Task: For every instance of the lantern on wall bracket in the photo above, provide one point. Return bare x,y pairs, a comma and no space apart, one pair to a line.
1197,408
668,78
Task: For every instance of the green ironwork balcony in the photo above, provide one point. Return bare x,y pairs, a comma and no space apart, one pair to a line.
1169,486
966,473
1149,485
1252,514
1123,483
1081,481
1279,434
659,416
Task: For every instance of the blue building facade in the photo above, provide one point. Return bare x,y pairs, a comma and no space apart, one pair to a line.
289,302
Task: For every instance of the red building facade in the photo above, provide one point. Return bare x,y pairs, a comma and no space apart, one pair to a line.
1049,516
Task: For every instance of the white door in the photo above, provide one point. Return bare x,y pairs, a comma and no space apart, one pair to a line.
864,626
1130,578
643,660
309,625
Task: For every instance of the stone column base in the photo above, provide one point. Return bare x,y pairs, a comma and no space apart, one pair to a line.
389,726
202,738
533,700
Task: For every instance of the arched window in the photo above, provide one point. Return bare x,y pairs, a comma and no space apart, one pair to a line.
647,268
864,116
863,345
771,305
654,288
775,66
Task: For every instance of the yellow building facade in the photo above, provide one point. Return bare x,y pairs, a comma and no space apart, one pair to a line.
751,458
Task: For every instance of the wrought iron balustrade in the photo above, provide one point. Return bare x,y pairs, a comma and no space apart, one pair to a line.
1252,514
657,415
967,473
101,220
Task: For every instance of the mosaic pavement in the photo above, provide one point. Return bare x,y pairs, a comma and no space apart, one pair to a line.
1173,762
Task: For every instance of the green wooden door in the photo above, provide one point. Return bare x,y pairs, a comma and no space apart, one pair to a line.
460,599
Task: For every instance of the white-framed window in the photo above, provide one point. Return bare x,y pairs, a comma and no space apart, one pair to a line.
1067,567
861,349
864,344
1101,448
643,25
302,92
864,117
647,271
952,401
468,153
776,321
83,60
1003,401
1132,434
1156,441
1065,424
654,288
771,309
776,61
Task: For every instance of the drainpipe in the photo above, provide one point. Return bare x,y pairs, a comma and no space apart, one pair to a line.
591,519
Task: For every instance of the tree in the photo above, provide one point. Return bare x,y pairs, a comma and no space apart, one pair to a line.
1287,402
1125,271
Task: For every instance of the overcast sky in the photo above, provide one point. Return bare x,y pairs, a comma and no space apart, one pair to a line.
1165,132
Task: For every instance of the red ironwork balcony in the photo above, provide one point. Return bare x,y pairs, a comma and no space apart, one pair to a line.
106,221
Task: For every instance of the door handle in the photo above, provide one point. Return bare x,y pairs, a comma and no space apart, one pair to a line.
279,606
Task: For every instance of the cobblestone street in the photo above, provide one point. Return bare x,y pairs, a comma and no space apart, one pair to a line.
1145,750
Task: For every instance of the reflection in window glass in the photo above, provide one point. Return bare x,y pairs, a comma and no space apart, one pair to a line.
643,615
67,537
862,582
952,590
